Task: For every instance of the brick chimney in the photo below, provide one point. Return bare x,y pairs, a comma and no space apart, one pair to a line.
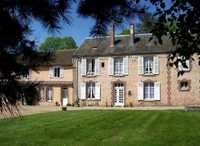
112,35
132,34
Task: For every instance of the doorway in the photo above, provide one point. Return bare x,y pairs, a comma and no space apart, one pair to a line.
119,94
64,94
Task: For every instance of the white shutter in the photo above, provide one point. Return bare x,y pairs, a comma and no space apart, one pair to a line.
97,91
157,90
97,66
125,65
62,72
83,66
83,91
51,71
140,91
110,65
156,65
140,65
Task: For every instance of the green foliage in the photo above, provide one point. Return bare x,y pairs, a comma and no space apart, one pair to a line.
18,53
147,22
56,43
125,32
31,95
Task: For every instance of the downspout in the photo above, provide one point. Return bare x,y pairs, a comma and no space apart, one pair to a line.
77,75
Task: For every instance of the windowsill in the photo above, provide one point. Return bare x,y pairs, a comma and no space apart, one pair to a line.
91,99
56,78
184,90
149,99
188,70
149,74
117,75
89,76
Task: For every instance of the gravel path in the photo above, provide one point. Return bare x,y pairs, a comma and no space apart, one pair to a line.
44,108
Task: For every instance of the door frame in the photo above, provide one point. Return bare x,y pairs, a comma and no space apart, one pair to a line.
47,93
113,92
62,95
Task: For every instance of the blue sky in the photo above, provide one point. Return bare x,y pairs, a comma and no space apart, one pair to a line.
79,28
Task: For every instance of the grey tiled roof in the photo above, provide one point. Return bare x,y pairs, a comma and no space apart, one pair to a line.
63,57
142,45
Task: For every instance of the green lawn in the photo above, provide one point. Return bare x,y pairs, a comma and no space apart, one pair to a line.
107,128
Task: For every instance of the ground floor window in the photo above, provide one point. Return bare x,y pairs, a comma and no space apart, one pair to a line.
90,90
148,90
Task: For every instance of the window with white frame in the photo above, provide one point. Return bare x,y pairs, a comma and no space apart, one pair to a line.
56,72
183,64
148,90
90,66
148,65
118,66
90,90
27,75
184,85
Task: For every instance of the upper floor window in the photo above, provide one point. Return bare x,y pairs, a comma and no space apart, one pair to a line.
183,64
118,66
28,75
56,72
148,65
90,67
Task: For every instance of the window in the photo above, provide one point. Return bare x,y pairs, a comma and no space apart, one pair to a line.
90,66
184,66
90,90
118,66
56,72
184,85
148,90
28,75
102,64
148,65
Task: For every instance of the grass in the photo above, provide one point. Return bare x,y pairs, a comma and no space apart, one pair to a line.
106,128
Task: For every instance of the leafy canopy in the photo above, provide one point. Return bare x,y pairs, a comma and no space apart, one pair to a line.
56,43
18,54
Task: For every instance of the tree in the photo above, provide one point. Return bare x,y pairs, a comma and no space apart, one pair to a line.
18,54
179,21
57,43
147,22
125,32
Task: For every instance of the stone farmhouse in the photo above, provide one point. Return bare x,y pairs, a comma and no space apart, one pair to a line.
127,70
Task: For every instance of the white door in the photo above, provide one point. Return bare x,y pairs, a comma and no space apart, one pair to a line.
119,94
64,97
49,94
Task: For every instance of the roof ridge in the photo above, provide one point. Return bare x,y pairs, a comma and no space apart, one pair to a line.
118,35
